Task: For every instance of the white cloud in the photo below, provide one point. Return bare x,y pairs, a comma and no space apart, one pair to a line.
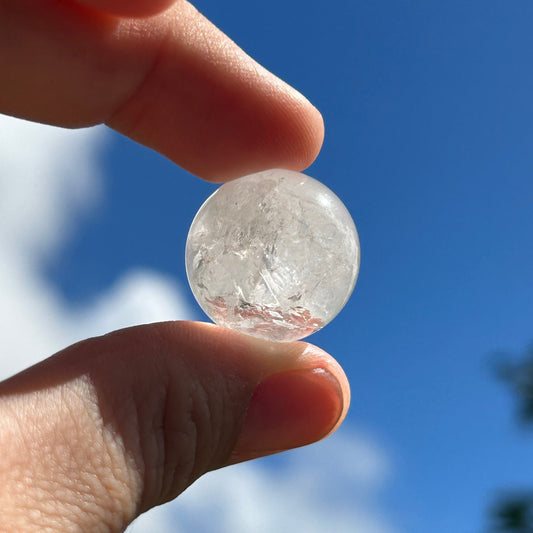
139,297
49,176
330,486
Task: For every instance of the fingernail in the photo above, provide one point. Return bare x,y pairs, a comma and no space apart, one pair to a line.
287,410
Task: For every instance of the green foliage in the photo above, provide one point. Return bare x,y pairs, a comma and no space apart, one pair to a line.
518,375
514,512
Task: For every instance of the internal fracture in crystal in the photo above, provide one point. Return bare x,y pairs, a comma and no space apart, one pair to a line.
274,255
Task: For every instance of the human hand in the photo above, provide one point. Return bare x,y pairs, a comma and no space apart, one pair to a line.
115,425
172,82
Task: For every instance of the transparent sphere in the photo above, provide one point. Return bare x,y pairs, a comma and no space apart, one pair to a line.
274,255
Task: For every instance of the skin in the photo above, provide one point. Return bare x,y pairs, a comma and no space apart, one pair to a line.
114,425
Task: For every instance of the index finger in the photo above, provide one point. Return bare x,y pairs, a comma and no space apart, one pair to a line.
172,82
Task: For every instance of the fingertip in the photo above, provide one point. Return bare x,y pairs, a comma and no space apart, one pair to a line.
277,128
284,129
316,136
288,410
307,135
229,133
213,110
301,395
317,358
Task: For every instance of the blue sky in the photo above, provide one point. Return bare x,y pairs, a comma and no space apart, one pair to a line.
428,112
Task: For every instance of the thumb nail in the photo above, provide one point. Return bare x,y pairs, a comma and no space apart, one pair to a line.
287,410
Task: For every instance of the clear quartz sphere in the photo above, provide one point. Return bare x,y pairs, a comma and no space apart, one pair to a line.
274,255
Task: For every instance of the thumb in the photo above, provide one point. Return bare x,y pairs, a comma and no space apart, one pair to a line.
115,425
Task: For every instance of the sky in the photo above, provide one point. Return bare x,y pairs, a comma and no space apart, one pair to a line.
428,114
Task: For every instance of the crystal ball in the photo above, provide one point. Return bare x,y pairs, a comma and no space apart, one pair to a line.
274,255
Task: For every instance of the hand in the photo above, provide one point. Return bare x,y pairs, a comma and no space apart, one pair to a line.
114,425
